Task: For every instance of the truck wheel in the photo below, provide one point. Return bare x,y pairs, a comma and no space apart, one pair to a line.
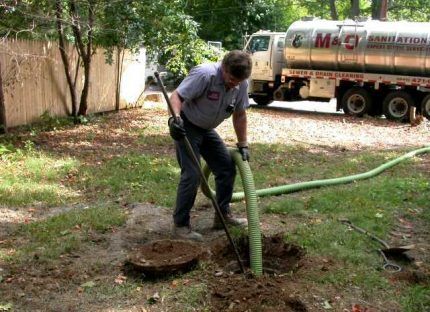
356,102
262,99
425,106
396,105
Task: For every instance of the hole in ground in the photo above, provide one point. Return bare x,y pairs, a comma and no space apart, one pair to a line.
278,256
274,291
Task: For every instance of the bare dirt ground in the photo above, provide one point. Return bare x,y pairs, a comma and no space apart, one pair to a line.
71,282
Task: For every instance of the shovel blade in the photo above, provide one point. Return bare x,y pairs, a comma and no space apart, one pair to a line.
398,250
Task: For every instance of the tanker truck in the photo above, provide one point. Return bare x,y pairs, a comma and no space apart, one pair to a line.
370,67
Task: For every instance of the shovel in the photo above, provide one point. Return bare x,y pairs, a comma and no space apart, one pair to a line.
387,249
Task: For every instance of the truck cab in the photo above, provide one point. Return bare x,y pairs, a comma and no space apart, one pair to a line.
266,50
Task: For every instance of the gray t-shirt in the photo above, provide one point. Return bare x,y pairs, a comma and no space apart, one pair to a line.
206,101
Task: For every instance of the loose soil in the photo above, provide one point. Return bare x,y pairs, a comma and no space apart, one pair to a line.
93,279
162,258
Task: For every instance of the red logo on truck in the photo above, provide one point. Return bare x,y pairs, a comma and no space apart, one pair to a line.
321,42
325,41
348,44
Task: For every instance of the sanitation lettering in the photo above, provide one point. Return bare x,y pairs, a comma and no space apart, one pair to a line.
350,42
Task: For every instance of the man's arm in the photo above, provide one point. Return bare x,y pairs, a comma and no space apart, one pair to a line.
176,102
240,127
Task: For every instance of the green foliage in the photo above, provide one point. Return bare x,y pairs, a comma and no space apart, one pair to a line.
230,22
179,60
47,122
411,10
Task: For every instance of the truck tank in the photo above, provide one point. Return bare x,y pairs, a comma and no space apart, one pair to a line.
369,46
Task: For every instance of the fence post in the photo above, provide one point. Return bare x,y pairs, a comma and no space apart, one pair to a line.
3,125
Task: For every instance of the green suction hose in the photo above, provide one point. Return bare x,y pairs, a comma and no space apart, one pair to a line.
250,194
254,233
255,251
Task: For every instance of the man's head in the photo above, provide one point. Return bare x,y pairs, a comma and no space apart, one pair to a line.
236,67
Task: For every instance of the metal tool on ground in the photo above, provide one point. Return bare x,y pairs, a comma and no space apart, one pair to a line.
388,265
202,175
387,248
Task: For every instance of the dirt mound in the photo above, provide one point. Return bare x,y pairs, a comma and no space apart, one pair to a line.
274,292
163,258
236,293
278,257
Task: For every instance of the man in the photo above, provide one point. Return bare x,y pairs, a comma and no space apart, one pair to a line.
207,96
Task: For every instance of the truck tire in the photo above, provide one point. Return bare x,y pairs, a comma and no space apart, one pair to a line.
425,106
356,102
262,99
397,104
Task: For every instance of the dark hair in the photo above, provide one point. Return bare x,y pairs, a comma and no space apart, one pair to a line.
238,63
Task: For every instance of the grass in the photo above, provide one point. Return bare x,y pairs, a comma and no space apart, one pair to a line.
137,178
29,176
416,299
65,233
189,298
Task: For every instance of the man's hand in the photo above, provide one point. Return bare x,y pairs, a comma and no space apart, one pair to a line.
176,128
244,151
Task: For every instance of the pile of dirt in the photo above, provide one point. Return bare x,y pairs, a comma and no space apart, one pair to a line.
266,293
163,258
273,291
278,257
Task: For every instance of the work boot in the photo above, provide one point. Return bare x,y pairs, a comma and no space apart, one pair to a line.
185,232
229,220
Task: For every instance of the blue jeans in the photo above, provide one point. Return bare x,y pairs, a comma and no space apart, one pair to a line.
209,145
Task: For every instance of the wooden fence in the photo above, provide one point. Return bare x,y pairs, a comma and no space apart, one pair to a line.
34,81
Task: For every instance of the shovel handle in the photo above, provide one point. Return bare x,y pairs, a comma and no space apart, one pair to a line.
363,231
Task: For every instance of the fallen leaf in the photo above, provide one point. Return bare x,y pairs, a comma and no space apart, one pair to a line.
88,284
6,307
120,279
186,282
358,308
326,305
154,299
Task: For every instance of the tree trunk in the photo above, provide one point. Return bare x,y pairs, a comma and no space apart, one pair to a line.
355,8
84,51
379,9
384,10
333,11
3,125
64,58
120,63
376,7
118,77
